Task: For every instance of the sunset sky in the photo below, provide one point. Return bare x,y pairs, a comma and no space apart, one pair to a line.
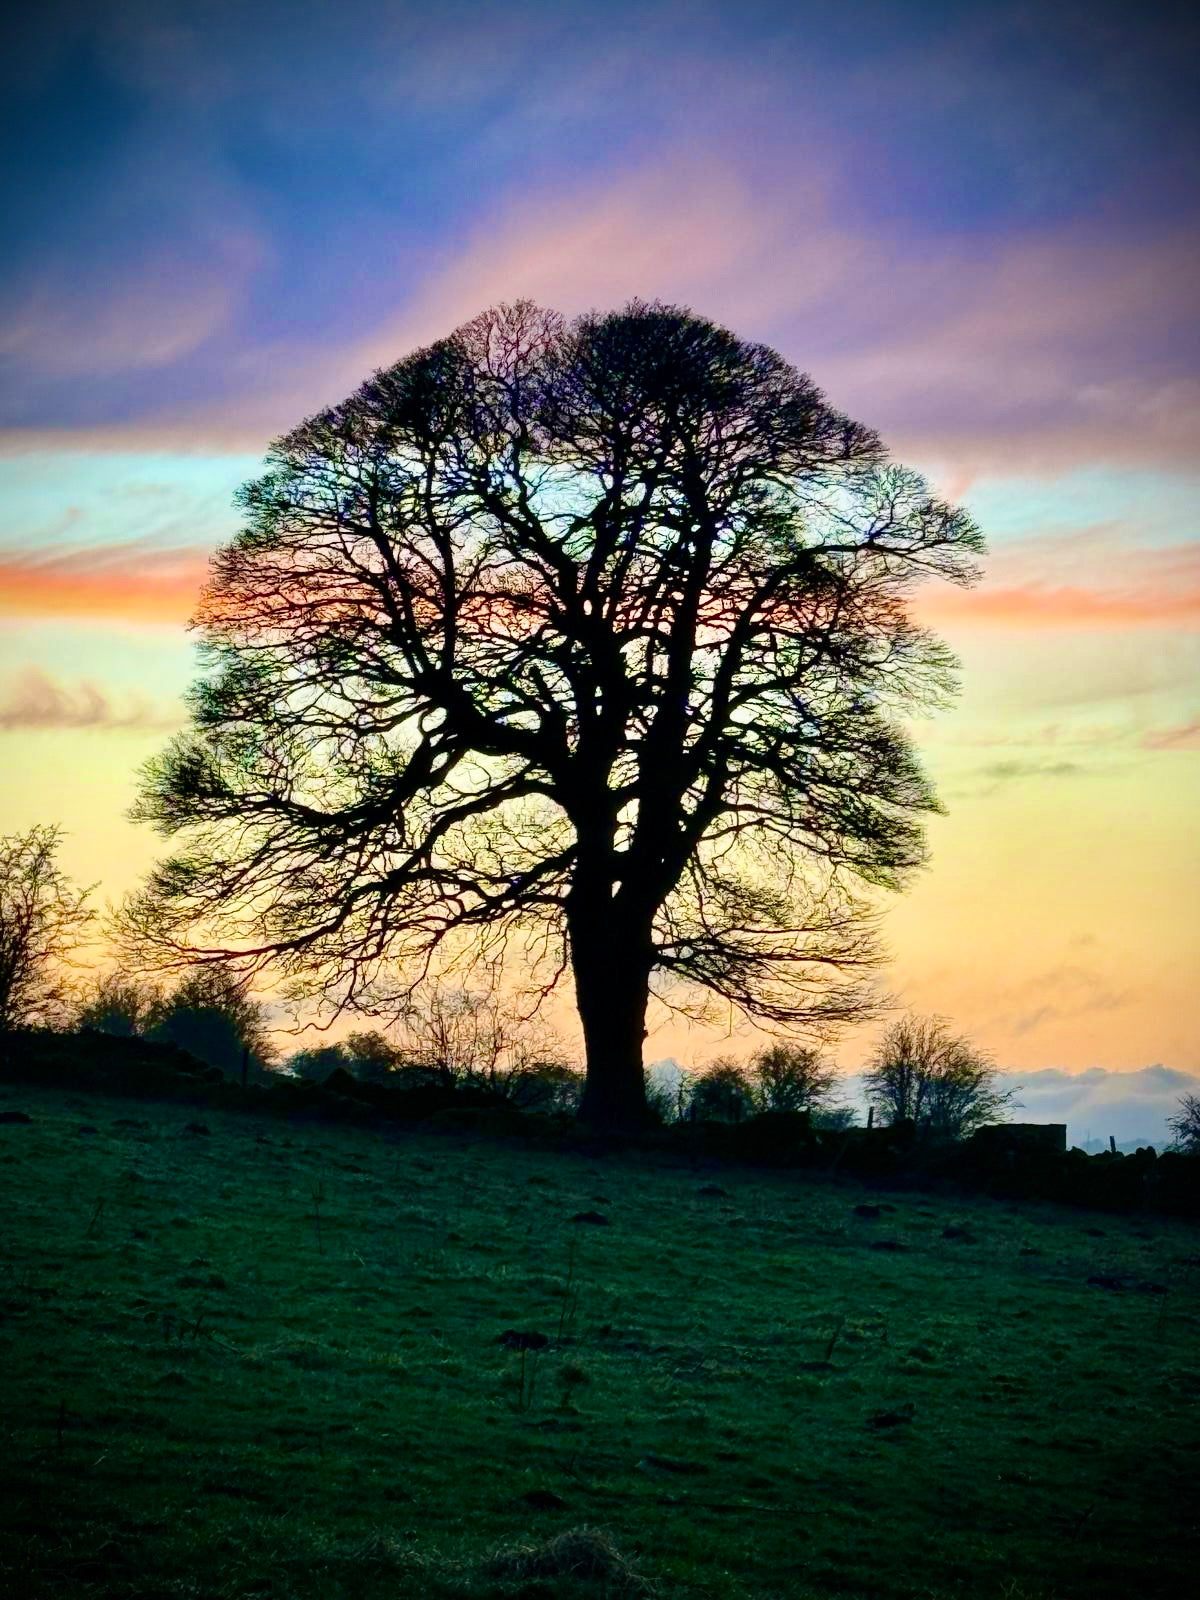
975,226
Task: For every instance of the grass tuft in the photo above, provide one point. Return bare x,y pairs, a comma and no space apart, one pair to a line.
583,1553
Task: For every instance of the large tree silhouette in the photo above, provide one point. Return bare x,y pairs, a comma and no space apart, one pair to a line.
591,635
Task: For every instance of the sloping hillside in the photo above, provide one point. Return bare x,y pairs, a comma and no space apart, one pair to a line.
291,1359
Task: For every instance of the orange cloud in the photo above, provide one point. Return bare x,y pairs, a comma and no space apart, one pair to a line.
129,581
1036,605
1034,584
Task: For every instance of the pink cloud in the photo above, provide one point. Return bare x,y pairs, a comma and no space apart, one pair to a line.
1089,578
32,699
1185,736
1039,354
1034,354
686,229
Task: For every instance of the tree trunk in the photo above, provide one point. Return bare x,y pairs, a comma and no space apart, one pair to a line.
612,988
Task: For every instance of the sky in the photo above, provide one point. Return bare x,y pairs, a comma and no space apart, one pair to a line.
975,226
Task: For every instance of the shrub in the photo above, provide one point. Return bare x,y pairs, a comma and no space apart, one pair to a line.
722,1092
126,1008
790,1077
213,1016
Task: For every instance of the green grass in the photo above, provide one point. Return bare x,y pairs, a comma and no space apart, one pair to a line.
267,1361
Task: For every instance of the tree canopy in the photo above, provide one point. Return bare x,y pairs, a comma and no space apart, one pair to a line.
588,635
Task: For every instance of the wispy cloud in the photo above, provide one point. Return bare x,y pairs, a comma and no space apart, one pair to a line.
131,580
1007,771
1069,991
1036,353
1070,336
1043,352
1184,736
33,699
1135,586
159,312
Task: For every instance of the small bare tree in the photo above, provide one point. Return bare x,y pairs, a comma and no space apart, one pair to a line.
42,916
924,1074
464,1036
791,1077
1185,1125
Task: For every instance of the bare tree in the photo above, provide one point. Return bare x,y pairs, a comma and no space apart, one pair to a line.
42,917
791,1077
1185,1124
463,1036
591,635
922,1073
455,1038
455,1035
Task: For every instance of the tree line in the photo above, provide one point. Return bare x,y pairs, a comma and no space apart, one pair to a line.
920,1073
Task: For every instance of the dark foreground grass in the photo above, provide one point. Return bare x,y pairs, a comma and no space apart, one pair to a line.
268,1359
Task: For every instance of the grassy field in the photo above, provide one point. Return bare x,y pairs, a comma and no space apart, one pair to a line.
268,1359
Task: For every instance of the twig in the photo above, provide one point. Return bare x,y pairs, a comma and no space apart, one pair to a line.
835,1336
1079,1522
318,1195
570,1297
